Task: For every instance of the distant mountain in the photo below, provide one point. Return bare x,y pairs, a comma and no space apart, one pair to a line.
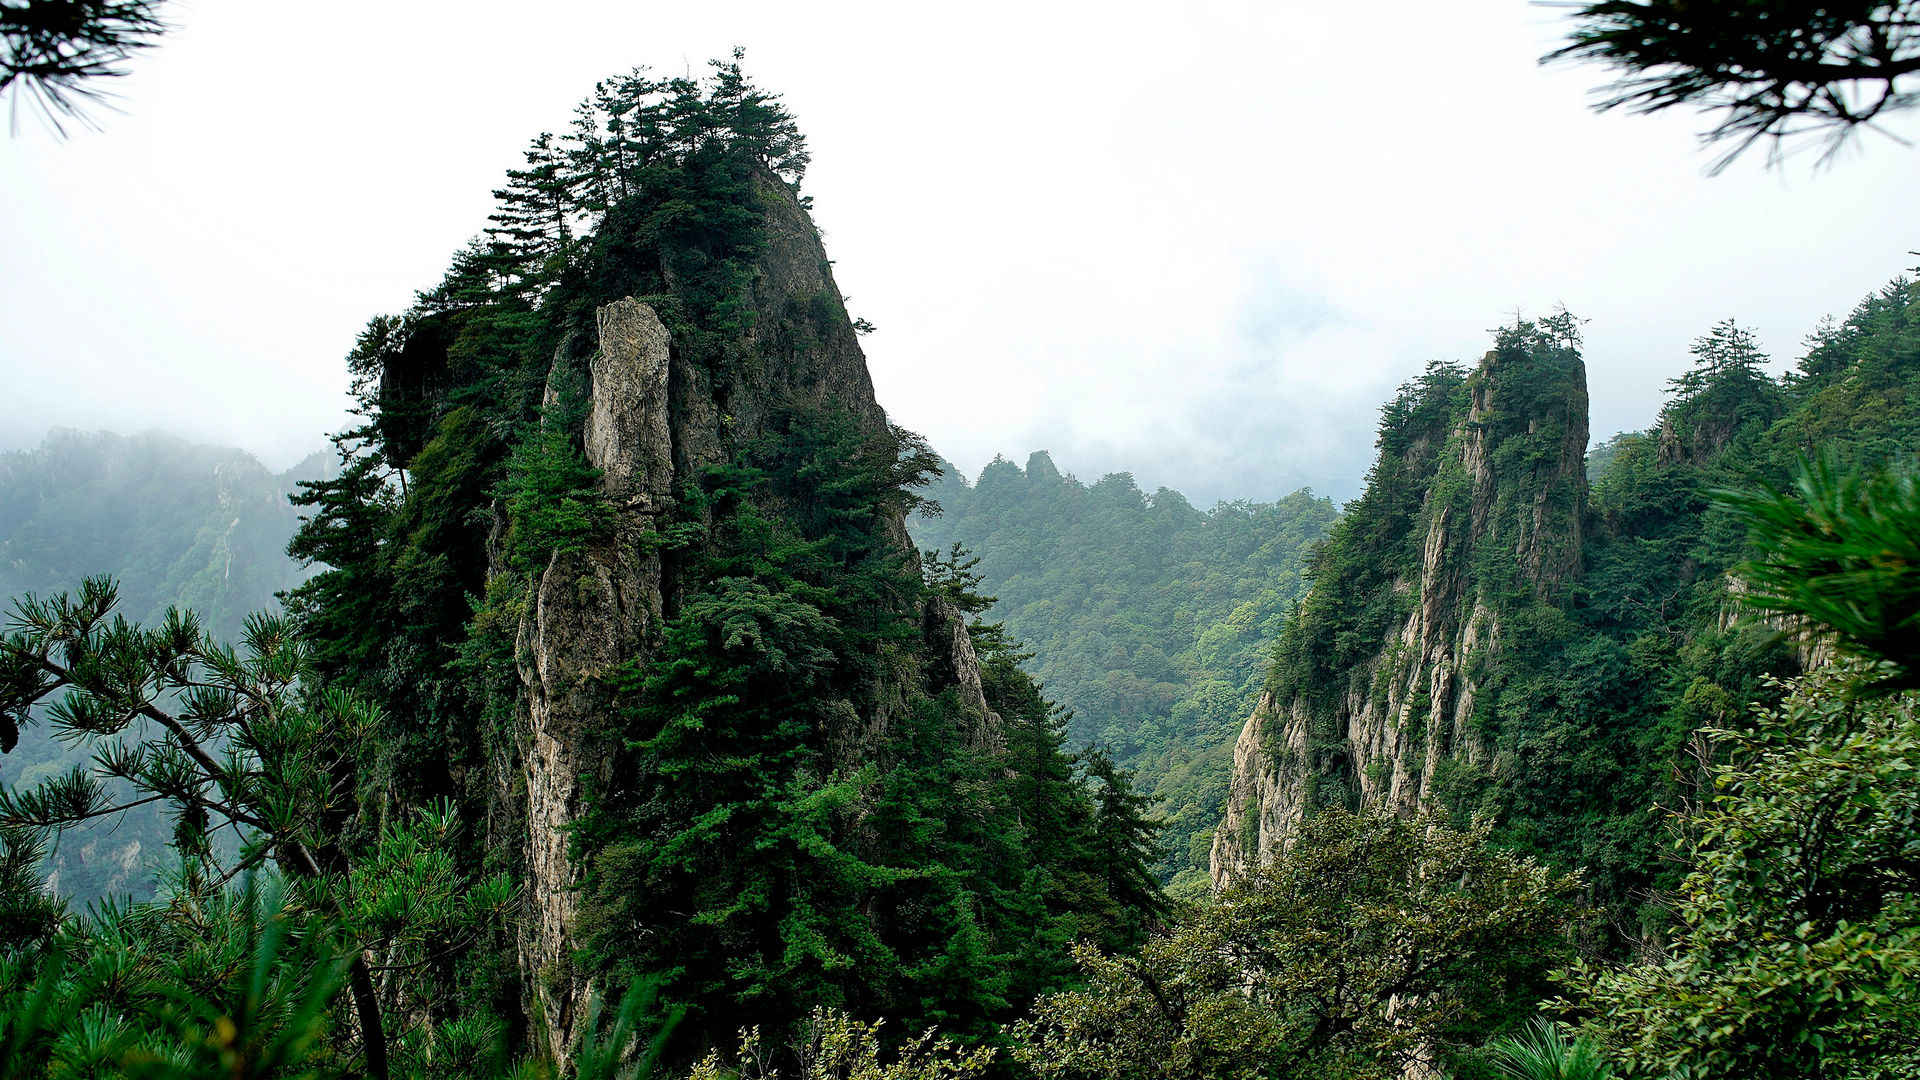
175,523
1148,617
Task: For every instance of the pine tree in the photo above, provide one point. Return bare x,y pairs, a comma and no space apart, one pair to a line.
234,740
58,51
1124,841
242,749
1726,356
1725,395
28,915
722,865
756,119
342,609
1771,69
532,227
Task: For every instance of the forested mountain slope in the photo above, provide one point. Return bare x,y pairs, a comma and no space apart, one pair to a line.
178,524
1487,632
620,556
1148,618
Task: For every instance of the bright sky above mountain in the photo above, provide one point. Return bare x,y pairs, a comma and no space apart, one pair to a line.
1197,241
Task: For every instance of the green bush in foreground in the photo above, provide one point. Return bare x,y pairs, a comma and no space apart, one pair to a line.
1372,944
1798,947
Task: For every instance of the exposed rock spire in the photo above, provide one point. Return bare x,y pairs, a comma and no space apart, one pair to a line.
1499,526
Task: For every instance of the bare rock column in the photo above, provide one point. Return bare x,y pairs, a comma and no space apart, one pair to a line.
1387,722
592,610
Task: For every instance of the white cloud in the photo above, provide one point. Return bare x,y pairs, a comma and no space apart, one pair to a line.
1198,241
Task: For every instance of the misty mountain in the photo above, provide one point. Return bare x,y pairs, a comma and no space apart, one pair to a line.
175,523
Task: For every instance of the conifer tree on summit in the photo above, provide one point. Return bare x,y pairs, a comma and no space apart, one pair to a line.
1727,354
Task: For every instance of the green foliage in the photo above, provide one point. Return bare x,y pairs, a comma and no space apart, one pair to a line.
762,855
834,1046
243,982
550,494
1798,944
339,608
669,178
28,915
1147,618
1079,836
1544,1052
1371,943
623,1050
1841,551
233,983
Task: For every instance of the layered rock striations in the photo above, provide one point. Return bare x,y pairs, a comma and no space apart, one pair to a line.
1473,515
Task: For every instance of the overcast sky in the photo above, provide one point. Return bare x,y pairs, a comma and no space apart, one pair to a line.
1196,241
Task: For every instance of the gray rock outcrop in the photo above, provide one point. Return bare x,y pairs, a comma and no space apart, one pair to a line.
655,421
1500,524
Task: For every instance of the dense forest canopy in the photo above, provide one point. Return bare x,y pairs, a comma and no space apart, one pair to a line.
1148,618
1586,699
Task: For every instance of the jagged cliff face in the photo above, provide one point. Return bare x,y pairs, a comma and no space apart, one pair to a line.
591,610
1482,489
1476,644
655,420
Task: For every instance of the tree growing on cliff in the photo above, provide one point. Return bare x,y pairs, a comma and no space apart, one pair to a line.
1725,398
532,227
1727,354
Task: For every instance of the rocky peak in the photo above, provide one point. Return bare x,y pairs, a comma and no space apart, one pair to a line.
1525,452
1041,469
1488,487
657,417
